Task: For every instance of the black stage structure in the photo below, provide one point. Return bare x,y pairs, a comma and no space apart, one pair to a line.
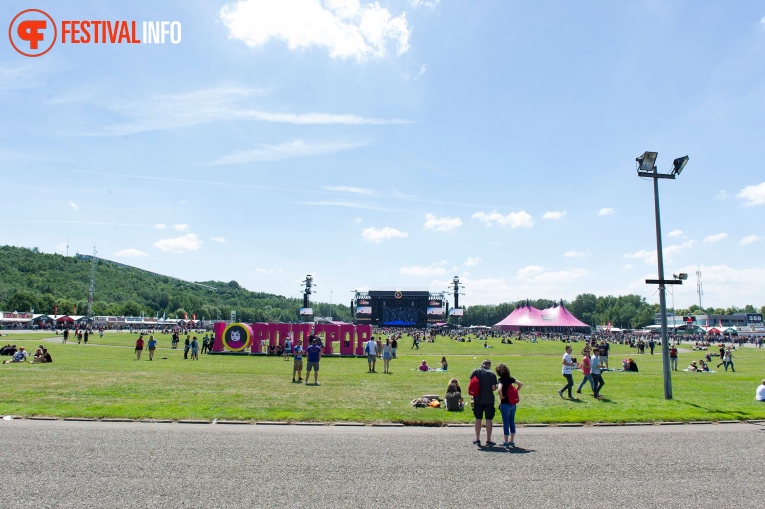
399,308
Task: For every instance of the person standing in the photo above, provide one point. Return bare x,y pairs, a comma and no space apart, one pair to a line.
673,358
138,347
603,357
288,347
313,352
371,350
194,349
651,344
66,335
483,403
393,346
568,366
297,363
186,347
86,336
585,371
386,356
508,399
597,377
151,345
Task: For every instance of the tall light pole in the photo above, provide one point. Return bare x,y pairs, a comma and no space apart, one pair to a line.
647,168
330,305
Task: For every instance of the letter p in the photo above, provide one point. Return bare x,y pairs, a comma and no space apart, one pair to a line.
29,30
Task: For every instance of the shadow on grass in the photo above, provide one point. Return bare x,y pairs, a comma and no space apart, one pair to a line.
739,414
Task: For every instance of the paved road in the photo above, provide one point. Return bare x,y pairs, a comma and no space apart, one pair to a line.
96,464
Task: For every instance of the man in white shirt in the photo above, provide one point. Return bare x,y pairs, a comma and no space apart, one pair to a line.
760,394
371,350
568,365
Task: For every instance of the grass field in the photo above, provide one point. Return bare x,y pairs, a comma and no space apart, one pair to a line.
103,380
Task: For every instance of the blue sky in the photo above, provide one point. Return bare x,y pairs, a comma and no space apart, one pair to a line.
397,144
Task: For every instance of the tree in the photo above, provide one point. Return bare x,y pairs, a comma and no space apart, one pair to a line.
22,301
130,308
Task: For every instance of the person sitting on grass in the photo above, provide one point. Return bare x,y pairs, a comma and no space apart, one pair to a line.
19,356
43,357
760,394
444,364
692,368
424,366
703,365
454,402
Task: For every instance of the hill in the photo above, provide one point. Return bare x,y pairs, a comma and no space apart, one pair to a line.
32,279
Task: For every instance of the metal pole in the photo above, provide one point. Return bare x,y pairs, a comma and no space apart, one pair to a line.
662,296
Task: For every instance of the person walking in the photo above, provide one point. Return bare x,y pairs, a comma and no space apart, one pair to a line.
387,355
151,345
194,349
568,366
483,403
508,399
586,371
728,360
597,377
371,349
313,352
186,347
138,347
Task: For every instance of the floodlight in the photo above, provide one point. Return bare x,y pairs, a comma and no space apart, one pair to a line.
678,164
682,276
647,161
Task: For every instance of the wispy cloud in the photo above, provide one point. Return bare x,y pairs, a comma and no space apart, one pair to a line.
530,270
441,224
183,244
749,239
514,219
287,150
649,256
160,226
180,227
753,195
419,74
73,206
129,253
676,234
345,29
378,235
606,211
346,204
722,195
435,269
219,240
554,214
430,4
472,261
318,118
577,254
717,237
349,189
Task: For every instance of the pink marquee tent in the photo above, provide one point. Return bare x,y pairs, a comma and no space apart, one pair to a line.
527,317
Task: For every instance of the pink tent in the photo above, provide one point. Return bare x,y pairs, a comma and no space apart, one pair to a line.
527,317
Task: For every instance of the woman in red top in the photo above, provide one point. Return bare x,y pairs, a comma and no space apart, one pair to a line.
586,371
139,347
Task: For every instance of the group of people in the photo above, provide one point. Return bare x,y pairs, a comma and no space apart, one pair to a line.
21,355
376,350
591,367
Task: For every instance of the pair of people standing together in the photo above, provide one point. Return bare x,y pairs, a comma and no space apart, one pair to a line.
507,388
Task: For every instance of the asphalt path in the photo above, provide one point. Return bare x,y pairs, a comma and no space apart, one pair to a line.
144,465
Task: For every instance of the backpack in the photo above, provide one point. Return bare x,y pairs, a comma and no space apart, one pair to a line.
474,387
512,394
366,349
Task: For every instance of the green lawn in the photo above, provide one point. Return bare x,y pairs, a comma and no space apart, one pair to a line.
103,379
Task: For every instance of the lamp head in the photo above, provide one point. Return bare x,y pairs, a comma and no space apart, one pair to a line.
682,276
678,164
647,161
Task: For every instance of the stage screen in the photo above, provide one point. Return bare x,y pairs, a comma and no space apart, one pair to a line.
363,310
306,311
456,312
400,316
435,312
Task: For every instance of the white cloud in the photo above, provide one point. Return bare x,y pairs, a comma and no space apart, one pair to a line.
530,271
219,240
722,195
129,253
435,269
183,244
316,118
419,74
577,254
514,219
472,261
669,252
676,233
560,277
345,28
357,220
441,224
606,211
286,150
269,271
378,235
430,4
749,239
554,214
74,205
717,237
349,189
160,226
180,227
753,195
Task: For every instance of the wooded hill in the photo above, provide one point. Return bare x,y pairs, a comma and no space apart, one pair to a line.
31,279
